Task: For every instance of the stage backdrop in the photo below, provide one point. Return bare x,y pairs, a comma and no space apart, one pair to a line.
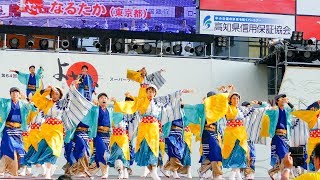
109,73
301,84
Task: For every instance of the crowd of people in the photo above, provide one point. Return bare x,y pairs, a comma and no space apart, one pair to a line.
99,134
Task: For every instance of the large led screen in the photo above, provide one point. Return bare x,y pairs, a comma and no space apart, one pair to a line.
177,16
309,25
258,6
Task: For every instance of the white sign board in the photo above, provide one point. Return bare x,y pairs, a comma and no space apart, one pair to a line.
201,75
246,24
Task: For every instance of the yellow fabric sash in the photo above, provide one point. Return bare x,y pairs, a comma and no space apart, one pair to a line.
149,132
123,142
232,134
216,107
53,135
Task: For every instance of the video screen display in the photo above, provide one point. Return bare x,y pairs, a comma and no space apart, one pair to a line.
309,25
257,6
175,16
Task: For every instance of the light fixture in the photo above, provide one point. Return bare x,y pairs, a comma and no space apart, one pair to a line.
133,46
221,41
189,49
14,43
30,41
97,44
177,49
308,56
312,41
119,46
65,44
291,55
199,50
44,44
167,49
146,48
296,37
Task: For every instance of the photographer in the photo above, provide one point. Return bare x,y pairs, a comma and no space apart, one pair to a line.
288,164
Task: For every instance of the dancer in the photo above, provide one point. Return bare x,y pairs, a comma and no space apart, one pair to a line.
33,139
146,80
207,133
14,113
122,132
178,144
31,80
150,108
280,123
312,118
60,113
86,86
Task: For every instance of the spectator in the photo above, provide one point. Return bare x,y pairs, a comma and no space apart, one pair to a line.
145,27
64,177
288,164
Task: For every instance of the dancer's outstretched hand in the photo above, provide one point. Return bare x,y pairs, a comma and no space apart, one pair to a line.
113,99
187,91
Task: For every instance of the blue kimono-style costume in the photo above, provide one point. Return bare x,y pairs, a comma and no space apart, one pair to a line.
13,121
174,142
86,87
102,141
280,123
211,148
176,145
31,81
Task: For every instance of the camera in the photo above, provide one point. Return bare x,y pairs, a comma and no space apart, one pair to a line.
297,154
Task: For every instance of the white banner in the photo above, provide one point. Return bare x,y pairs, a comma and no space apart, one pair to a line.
308,7
246,24
302,85
109,71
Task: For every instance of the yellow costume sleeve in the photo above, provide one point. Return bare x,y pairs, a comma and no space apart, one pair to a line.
309,176
130,107
135,76
216,107
308,116
195,130
31,116
41,101
265,126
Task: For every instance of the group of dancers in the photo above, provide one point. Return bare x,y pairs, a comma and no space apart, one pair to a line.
99,134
